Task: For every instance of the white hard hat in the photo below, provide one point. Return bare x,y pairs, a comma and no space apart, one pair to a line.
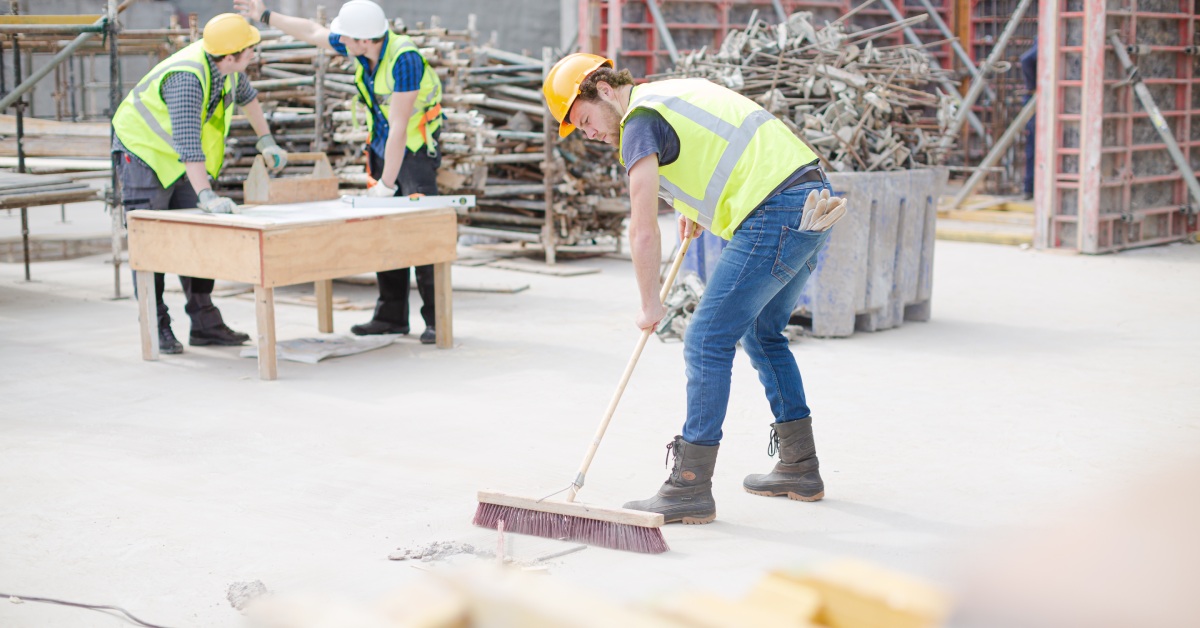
360,19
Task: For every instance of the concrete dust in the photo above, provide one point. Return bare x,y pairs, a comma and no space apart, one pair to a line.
437,550
240,594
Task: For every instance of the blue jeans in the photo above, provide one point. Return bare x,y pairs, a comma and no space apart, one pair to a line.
750,296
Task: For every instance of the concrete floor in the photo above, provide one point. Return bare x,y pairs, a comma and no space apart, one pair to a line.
154,485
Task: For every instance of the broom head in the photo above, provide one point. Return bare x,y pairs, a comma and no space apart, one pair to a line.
614,528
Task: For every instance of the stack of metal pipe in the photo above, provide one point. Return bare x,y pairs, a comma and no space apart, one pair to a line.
863,107
493,140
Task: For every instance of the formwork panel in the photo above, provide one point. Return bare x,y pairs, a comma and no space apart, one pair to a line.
984,22
1138,197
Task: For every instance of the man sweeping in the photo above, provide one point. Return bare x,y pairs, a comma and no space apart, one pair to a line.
170,138
729,166
404,96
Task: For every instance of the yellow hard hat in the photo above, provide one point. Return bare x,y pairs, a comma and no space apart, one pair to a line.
228,33
561,87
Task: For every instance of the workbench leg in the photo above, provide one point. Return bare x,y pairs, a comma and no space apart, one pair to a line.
443,296
324,292
147,313
264,308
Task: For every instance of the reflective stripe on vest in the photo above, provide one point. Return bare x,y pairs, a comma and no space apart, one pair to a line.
145,134
426,116
724,202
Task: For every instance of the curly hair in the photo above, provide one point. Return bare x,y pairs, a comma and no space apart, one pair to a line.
615,78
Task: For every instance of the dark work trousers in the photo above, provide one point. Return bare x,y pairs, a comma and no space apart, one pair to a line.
140,189
418,174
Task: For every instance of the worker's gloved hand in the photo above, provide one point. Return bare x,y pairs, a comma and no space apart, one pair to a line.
275,156
821,212
380,190
213,204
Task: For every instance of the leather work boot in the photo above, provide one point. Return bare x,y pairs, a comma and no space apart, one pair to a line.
208,327
219,335
687,494
375,327
167,344
797,473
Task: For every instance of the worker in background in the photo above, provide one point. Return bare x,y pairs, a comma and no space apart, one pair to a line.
170,136
729,166
1029,70
404,97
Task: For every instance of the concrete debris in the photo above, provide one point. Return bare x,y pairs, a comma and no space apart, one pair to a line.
861,106
436,550
240,594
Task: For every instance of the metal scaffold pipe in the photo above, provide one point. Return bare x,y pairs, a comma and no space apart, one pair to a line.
63,55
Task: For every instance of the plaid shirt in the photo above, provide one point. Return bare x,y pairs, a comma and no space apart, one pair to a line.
182,92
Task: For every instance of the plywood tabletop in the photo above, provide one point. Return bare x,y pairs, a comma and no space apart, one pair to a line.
265,217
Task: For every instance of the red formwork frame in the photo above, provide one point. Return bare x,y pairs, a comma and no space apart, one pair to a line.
597,21
1101,182
982,23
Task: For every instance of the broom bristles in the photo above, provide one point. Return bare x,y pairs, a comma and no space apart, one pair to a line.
619,536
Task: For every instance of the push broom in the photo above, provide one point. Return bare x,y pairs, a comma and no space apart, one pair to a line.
615,528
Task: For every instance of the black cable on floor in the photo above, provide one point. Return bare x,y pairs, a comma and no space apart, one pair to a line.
94,607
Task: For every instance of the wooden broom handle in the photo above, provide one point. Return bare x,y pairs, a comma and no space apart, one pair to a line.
637,353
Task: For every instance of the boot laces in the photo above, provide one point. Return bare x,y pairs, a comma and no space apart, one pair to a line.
773,443
672,450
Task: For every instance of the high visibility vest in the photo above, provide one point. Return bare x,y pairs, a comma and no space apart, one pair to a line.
427,110
143,123
732,152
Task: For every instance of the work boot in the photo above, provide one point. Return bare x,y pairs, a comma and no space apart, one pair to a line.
220,335
167,343
797,473
687,494
208,327
375,327
429,336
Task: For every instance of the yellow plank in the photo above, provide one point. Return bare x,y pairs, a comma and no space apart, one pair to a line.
855,594
704,610
798,604
985,237
989,215
53,20
1025,207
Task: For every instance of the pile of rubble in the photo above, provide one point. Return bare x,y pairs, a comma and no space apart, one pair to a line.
862,107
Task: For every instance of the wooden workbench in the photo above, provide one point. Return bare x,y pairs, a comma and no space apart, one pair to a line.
280,245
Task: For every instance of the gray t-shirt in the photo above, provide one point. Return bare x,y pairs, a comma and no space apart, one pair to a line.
646,133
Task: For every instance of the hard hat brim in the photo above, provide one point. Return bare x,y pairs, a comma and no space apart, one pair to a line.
565,128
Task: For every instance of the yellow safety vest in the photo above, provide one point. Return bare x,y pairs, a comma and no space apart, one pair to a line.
732,152
143,123
427,111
